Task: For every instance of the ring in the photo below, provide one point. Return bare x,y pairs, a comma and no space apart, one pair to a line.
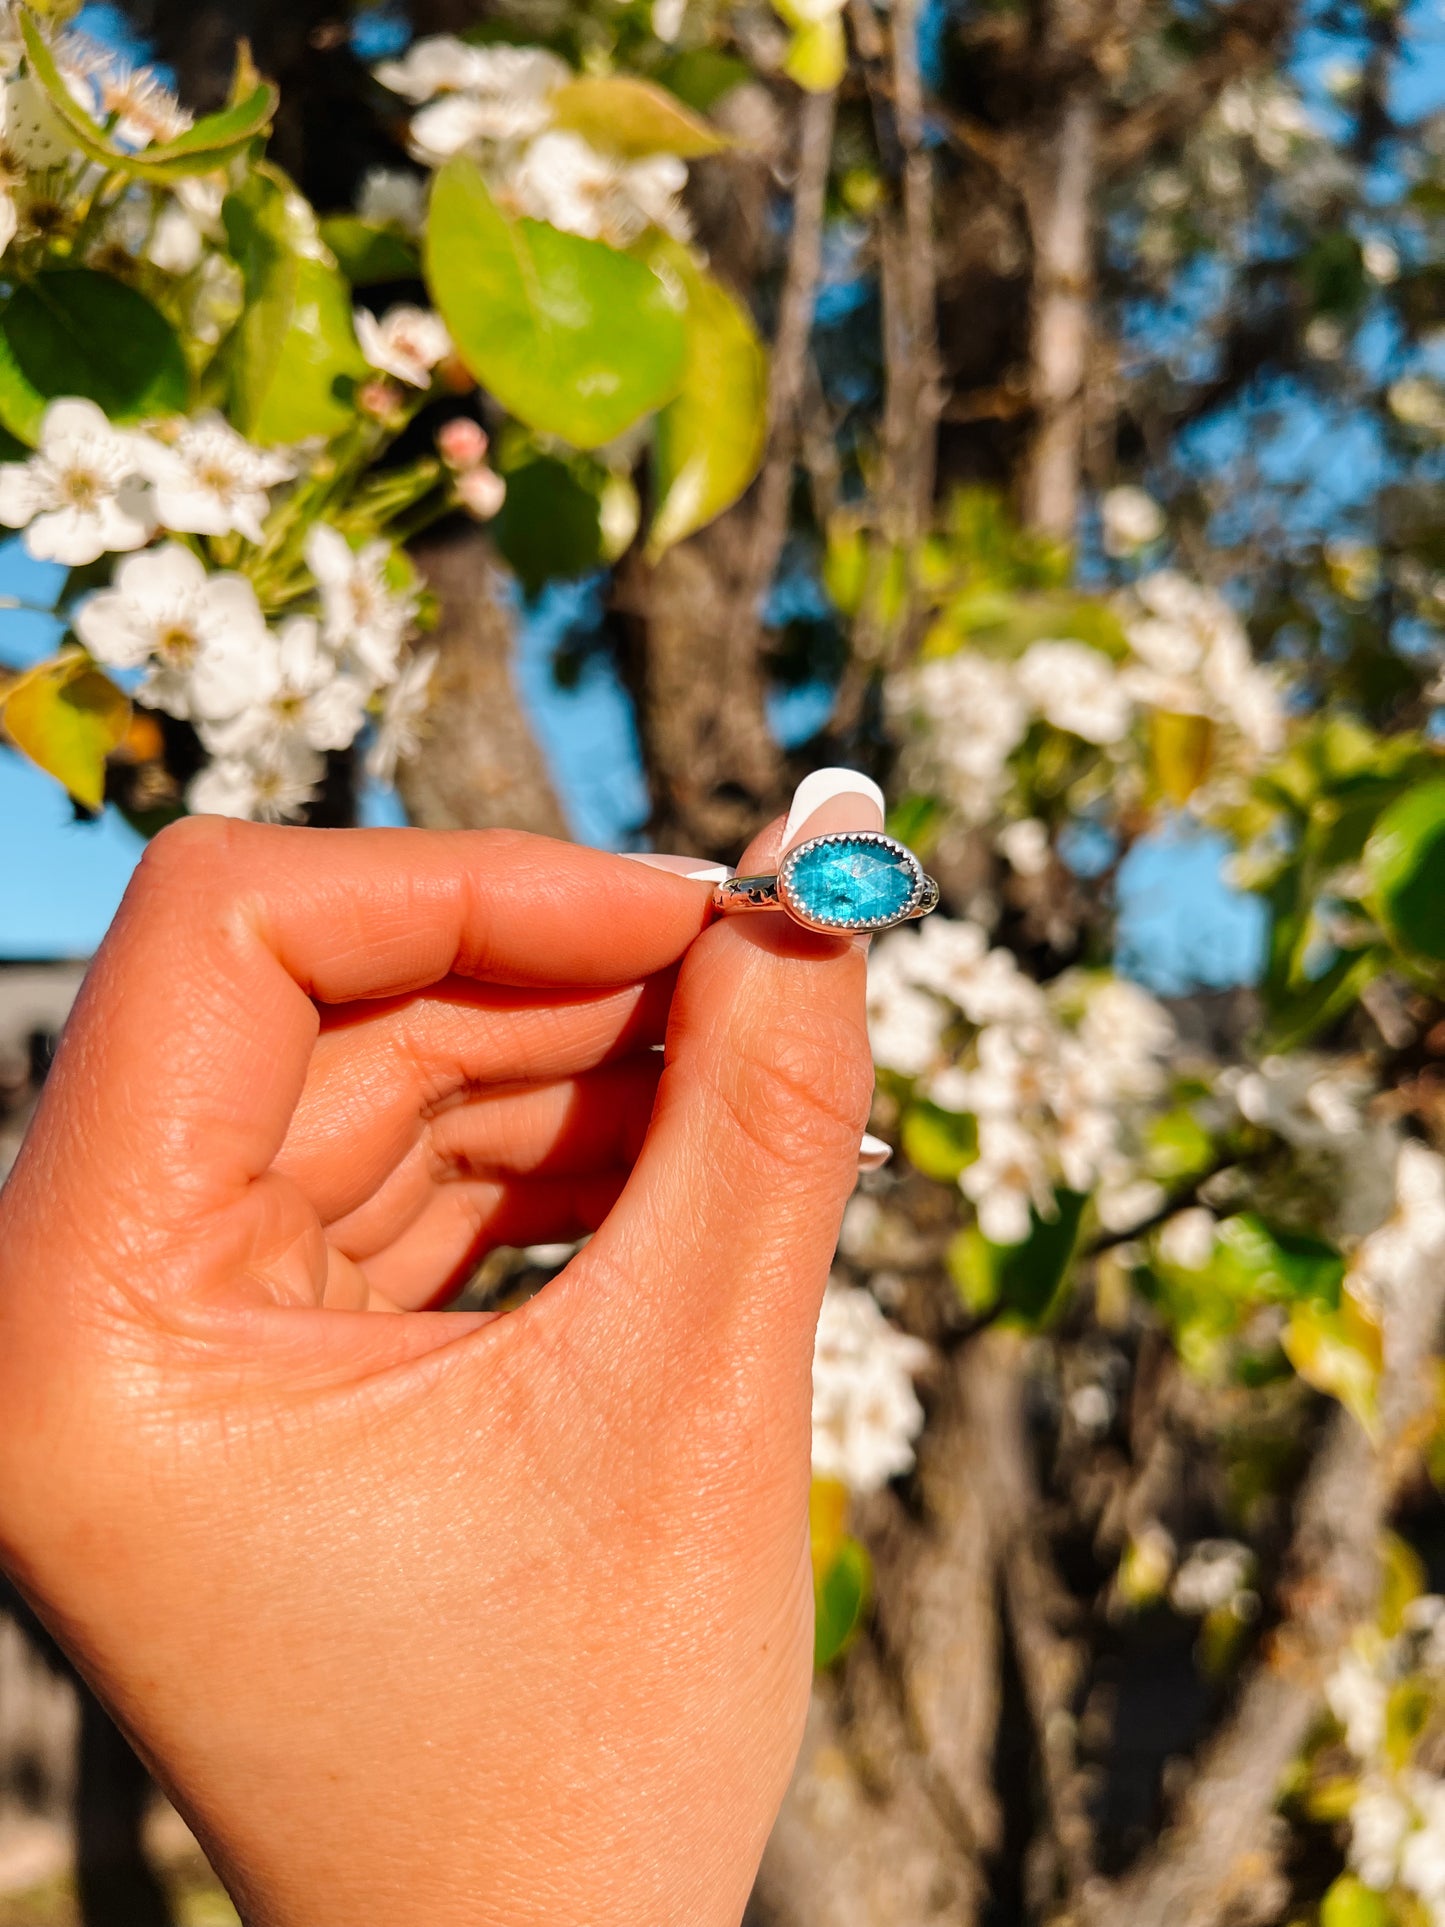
851,882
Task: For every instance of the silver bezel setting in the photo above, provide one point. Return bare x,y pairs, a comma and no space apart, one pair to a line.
922,898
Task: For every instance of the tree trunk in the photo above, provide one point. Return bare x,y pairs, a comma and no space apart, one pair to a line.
695,670
1060,194
479,766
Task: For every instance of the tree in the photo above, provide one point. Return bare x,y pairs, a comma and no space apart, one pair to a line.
952,364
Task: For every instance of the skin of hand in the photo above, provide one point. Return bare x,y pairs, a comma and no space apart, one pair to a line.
431,1617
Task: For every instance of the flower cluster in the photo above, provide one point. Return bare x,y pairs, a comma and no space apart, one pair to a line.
496,104
267,699
92,489
866,1413
1057,1078
1397,1814
965,716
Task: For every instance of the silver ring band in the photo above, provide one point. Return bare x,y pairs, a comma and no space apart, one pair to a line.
849,883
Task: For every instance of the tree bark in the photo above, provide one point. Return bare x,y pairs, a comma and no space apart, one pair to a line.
479,766
1059,193
694,667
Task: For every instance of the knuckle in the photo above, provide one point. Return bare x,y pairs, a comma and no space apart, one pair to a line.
803,1092
190,851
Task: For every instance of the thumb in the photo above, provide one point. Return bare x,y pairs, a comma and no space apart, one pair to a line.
716,1255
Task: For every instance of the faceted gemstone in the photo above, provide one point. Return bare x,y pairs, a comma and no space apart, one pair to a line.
851,882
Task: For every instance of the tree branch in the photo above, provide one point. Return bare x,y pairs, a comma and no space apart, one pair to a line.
1059,195
788,373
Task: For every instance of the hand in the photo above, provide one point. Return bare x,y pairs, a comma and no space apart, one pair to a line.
431,1617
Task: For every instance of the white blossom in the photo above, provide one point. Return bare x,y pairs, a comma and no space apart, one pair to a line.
81,494
1193,658
406,342
190,216
1211,1574
275,788
1008,1176
309,700
1125,1033
866,1413
564,180
1387,1264
208,480
1132,520
1379,1822
905,1024
399,733
1187,1239
363,617
1422,1857
1125,1202
392,197
201,637
477,96
1357,1696
967,716
1025,846
1077,689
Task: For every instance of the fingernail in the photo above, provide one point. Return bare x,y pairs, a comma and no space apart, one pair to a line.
873,1153
681,866
833,799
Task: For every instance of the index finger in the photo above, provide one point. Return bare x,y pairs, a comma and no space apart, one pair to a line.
188,1046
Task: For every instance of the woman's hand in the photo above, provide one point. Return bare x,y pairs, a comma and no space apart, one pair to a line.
435,1618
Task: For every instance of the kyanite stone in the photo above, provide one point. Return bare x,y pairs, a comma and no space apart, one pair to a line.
851,882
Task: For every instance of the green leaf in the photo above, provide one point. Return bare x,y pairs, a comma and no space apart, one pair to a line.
293,352
572,337
1258,1262
939,1143
622,115
207,145
1339,1352
840,1600
1297,1015
1027,1281
67,718
700,76
1405,860
73,331
710,440
366,253
1350,1903
1178,1146
550,525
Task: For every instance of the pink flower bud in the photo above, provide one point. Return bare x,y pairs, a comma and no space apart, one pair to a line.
481,492
381,400
461,443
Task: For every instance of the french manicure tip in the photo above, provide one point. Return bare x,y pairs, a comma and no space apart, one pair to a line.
873,1153
821,787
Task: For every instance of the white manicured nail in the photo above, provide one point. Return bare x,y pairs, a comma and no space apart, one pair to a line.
682,866
854,799
873,1153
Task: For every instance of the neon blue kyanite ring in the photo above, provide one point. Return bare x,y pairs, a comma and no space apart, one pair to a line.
854,881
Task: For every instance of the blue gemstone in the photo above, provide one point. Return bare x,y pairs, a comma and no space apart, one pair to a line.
851,882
